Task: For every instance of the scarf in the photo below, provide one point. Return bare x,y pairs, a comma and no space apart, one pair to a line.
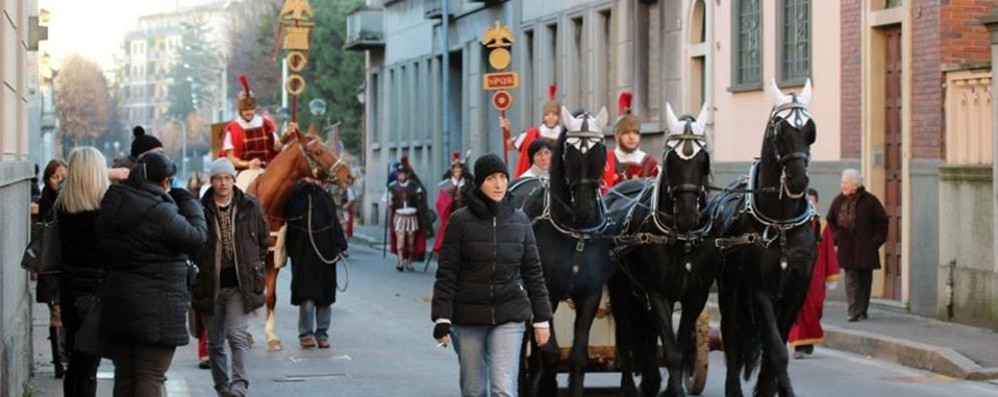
847,214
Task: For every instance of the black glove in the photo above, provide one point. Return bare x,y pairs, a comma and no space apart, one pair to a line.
180,195
441,330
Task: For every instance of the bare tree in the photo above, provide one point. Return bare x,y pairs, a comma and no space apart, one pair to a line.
250,52
82,100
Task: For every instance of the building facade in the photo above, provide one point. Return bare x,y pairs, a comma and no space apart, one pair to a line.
665,51
152,51
15,194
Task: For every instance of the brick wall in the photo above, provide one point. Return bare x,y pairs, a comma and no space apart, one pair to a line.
851,79
926,83
964,39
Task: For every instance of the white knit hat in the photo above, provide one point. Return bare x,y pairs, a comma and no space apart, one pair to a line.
222,166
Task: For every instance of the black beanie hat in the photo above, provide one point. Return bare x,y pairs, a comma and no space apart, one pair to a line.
142,142
156,167
487,165
536,146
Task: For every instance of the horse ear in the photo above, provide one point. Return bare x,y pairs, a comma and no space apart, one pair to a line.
567,120
702,117
670,117
805,95
603,118
312,130
775,93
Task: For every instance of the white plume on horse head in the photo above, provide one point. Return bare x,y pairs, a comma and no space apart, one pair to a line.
781,99
585,131
688,147
702,119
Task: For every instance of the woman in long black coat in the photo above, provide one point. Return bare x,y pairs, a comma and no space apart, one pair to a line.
47,289
315,240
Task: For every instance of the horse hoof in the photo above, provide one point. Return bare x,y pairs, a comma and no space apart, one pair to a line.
274,345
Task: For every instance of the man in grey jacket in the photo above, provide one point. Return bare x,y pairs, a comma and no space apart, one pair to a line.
231,281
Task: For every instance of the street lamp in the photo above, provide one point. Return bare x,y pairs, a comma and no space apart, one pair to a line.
362,92
317,106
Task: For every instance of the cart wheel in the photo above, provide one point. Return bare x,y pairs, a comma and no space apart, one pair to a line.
697,379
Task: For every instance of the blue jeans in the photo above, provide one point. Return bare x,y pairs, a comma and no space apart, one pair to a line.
309,311
489,356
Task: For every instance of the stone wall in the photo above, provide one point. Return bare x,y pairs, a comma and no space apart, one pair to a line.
15,297
966,236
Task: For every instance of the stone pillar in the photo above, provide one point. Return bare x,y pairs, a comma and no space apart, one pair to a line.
991,21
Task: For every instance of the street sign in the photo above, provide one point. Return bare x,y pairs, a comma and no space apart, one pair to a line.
500,81
501,100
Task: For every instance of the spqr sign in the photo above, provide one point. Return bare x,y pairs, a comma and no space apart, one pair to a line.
501,81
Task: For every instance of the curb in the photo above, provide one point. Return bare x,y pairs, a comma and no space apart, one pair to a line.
370,242
941,360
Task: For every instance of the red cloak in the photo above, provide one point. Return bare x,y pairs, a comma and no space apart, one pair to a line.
807,330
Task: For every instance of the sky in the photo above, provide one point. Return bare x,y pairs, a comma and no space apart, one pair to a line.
96,28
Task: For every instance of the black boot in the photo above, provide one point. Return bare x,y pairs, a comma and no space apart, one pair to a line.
58,351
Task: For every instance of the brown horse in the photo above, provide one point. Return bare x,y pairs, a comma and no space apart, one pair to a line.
303,156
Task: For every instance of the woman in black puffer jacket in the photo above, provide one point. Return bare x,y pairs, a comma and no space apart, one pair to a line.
148,232
489,285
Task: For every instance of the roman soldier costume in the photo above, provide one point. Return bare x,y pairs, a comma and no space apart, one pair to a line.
407,203
452,195
629,164
249,139
522,142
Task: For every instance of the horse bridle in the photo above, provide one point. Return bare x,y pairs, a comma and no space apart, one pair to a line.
586,139
798,111
673,191
317,167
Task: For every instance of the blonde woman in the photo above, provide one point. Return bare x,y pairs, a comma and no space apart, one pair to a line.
76,209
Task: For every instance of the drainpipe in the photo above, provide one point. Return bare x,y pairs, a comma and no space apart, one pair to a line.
991,22
445,84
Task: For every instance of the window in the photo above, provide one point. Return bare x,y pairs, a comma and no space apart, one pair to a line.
649,54
747,47
528,75
794,48
578,65
893,3
604,72
552,61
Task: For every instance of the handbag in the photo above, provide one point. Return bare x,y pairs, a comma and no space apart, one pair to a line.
43,255
89,339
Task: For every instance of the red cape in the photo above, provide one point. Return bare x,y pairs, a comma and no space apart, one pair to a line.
807,330
444,203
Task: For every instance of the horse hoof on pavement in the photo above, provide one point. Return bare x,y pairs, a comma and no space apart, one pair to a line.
274,345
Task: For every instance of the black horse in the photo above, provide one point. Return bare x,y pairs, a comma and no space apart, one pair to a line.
767,249
664,256
569,221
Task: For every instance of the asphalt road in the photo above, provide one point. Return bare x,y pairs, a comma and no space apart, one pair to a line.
382,346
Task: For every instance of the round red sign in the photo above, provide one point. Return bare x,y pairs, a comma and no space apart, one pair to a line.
502,100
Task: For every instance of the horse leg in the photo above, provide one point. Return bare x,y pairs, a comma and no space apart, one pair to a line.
673,354
624,332
732,350
270,298
686,338
585,313
648,356
775,356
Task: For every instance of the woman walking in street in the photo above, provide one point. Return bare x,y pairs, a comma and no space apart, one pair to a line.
489,285
148,232
47,289
83,265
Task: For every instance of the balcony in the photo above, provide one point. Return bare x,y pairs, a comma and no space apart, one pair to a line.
433,9
365,29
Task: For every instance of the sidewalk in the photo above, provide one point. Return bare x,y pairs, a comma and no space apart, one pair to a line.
949,349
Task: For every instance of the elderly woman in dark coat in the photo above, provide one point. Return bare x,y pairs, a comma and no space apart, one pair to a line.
489,285
859,224
148,231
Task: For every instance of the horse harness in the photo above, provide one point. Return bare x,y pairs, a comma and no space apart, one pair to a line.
798,116
317,167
